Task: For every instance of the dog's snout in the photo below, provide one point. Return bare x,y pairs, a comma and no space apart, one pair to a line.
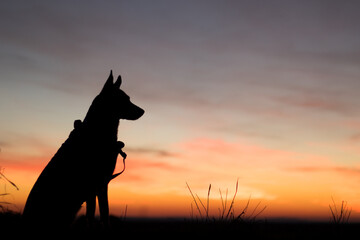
138,112
141,112
132,112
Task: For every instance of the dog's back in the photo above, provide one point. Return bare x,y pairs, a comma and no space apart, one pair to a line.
63,185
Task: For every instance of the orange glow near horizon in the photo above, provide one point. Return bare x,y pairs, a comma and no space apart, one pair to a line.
155,187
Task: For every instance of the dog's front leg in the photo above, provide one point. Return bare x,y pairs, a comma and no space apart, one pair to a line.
104,205
90,210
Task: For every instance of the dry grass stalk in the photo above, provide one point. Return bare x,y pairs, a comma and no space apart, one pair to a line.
342,215
226,213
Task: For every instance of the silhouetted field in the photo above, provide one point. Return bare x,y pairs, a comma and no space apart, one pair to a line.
10,223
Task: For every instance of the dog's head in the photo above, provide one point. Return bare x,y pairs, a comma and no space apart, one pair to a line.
117,101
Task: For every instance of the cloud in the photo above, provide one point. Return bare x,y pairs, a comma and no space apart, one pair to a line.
313,102
351,124
347,170
149,163
24,162
156,152
220,146
134,178
338,169
4,144
355,137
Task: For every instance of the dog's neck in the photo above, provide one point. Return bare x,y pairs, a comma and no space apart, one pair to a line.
102,127
101,124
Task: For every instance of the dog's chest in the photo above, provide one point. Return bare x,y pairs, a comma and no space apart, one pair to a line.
101,156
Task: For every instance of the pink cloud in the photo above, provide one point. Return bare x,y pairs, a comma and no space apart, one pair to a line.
338,169
352,124
220,146
314,102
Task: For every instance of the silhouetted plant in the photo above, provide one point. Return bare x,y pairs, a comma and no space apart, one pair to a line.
226,213
339,216
3,203
206,209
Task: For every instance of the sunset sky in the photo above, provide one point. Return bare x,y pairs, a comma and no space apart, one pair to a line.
266,92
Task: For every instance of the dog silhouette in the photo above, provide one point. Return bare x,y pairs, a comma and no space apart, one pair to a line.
84,164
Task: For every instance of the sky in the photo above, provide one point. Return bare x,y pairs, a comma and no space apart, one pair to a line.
263,92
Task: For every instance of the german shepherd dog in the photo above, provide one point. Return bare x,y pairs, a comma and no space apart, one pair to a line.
84,164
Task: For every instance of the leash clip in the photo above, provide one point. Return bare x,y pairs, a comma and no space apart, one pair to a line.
119,147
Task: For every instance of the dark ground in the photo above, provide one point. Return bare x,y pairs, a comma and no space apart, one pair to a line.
10,224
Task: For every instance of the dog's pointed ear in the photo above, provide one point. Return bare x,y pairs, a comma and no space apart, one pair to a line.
118,82
108,84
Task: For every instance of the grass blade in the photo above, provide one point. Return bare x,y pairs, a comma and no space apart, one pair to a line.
207,204
233,200
14,185
201,203
197,206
